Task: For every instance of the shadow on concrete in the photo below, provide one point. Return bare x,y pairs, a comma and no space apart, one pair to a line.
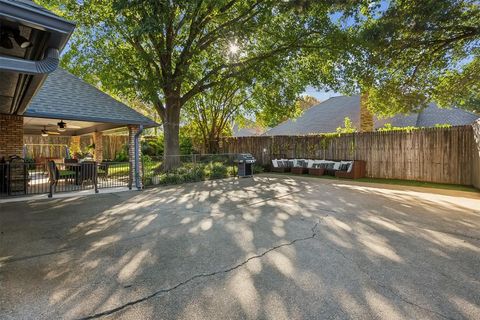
272,247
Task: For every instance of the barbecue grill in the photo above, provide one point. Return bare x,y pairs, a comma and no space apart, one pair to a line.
245,163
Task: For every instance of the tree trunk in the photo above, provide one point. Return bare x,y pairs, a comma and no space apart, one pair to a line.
171,126
213,145
366,116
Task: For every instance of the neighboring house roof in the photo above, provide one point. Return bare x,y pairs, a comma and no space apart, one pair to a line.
247,131
65,96
330,114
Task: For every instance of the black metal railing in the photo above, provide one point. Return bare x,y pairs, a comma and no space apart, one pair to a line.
23,178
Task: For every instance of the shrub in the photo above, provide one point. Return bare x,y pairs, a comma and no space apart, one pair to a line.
258,169
195,174
153,146
216,170
190,172
170,178
122,156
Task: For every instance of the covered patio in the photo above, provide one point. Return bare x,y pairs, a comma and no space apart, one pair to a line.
65,110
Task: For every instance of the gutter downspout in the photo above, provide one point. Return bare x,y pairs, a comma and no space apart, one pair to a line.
136,143
47,65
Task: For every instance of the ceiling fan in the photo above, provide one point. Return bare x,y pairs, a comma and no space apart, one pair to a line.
46,133
62,126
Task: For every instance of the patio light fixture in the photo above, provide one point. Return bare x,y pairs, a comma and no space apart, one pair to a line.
62,126
44,132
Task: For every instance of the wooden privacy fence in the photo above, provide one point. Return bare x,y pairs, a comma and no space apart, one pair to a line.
52,147
442,155
476,155
112,145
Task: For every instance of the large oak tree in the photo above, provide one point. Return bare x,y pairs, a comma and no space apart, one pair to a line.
166,52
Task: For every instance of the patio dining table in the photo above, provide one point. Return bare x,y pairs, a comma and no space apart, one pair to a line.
83,171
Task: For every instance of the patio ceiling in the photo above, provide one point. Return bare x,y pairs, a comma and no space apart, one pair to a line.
43,30
34,126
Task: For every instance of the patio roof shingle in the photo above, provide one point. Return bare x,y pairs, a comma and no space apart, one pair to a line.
65,96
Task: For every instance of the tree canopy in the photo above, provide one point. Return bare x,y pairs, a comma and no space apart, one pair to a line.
166,52
411,52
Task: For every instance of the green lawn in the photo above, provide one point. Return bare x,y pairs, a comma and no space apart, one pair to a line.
399,182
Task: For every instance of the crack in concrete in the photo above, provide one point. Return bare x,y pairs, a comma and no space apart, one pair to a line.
200,275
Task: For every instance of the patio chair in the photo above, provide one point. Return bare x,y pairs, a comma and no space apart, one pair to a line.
89,172
54,175
356,170
317,169
103,170
281,165
300,166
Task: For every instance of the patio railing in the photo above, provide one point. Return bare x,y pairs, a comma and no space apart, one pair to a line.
19,179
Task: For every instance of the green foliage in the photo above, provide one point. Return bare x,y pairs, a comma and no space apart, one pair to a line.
190,172
347,127
279,104
165,53
409,53
443,125
153,146
211,114
186,142
388,127
216,170
146,160
403,54
258,169
460,87
306,102
122,156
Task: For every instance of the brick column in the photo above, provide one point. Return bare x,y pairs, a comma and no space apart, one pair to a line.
98,141
74,145
11,135
132,131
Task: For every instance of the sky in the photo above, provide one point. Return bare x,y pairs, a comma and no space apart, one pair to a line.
320,94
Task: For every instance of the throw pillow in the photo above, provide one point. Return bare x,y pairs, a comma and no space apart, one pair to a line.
275,163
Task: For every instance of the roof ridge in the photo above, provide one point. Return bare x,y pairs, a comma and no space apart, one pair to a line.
463,110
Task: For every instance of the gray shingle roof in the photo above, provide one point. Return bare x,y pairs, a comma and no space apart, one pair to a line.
65,96
251,130
330,114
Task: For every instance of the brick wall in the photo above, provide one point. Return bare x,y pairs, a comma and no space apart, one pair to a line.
98,141
11,135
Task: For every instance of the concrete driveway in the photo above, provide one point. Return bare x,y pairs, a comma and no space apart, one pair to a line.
272,247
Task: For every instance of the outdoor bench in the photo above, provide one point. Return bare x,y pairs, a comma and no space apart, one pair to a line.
349,169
